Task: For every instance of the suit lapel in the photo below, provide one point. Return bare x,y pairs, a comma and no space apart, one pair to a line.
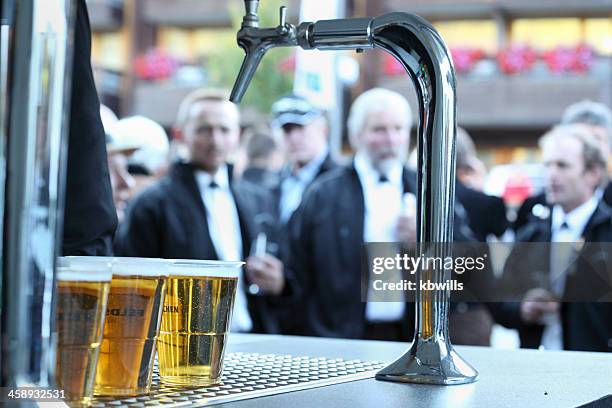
409,181
325,166
352,206
351,211
600,216
246,219
204,248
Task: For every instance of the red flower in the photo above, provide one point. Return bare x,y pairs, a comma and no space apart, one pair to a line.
287,64
564,59
516,59
155,64
583,61
465,58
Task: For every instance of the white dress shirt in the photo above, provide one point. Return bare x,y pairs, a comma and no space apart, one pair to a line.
564,228
383,206
225,234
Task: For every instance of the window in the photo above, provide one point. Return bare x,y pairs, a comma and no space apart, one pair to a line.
481,34
598,33
191,44
549,33
110,50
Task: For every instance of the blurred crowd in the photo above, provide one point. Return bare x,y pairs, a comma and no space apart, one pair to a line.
274,196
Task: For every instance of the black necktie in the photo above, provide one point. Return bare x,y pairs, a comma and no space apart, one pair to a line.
213,184
383,179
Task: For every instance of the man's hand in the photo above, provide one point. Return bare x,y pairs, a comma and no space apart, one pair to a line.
266,271
537,303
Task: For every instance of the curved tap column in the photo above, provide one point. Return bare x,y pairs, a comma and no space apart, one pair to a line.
415,43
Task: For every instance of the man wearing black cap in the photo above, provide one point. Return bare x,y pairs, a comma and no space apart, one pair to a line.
305,135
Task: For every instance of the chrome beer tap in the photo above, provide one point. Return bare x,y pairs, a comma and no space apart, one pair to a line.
422,52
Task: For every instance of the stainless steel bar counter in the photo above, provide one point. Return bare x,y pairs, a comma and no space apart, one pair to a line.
508,378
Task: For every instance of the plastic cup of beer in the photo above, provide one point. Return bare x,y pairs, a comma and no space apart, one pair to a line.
133,316
82,293
196,321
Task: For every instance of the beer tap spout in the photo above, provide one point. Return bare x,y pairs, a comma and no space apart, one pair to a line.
256,41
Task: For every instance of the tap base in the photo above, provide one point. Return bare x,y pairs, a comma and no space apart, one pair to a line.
429,363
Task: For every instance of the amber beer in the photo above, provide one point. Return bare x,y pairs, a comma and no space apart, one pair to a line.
82,293
132,323
196,321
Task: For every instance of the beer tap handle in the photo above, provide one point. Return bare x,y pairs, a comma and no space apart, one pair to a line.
283,16
250,18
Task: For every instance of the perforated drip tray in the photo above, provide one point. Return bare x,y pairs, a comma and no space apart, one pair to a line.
251,375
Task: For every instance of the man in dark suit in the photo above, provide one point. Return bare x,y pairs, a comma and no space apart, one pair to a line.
486,215
471,322
577,271
370,200
89,216
198,211
346,207
596,118
304,131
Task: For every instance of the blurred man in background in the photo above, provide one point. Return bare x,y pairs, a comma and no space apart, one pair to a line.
372,200
575,169
486,215
348,206
197,211
471,322
150,158
122,182
304,131
264,159
596,119
137,156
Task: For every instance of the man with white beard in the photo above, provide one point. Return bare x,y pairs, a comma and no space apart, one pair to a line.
371,200
365,201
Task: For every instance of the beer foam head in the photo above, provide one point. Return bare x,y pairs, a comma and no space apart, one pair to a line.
140,267
204,268
84,268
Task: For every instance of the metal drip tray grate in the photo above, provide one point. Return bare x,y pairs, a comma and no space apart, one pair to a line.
251,375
